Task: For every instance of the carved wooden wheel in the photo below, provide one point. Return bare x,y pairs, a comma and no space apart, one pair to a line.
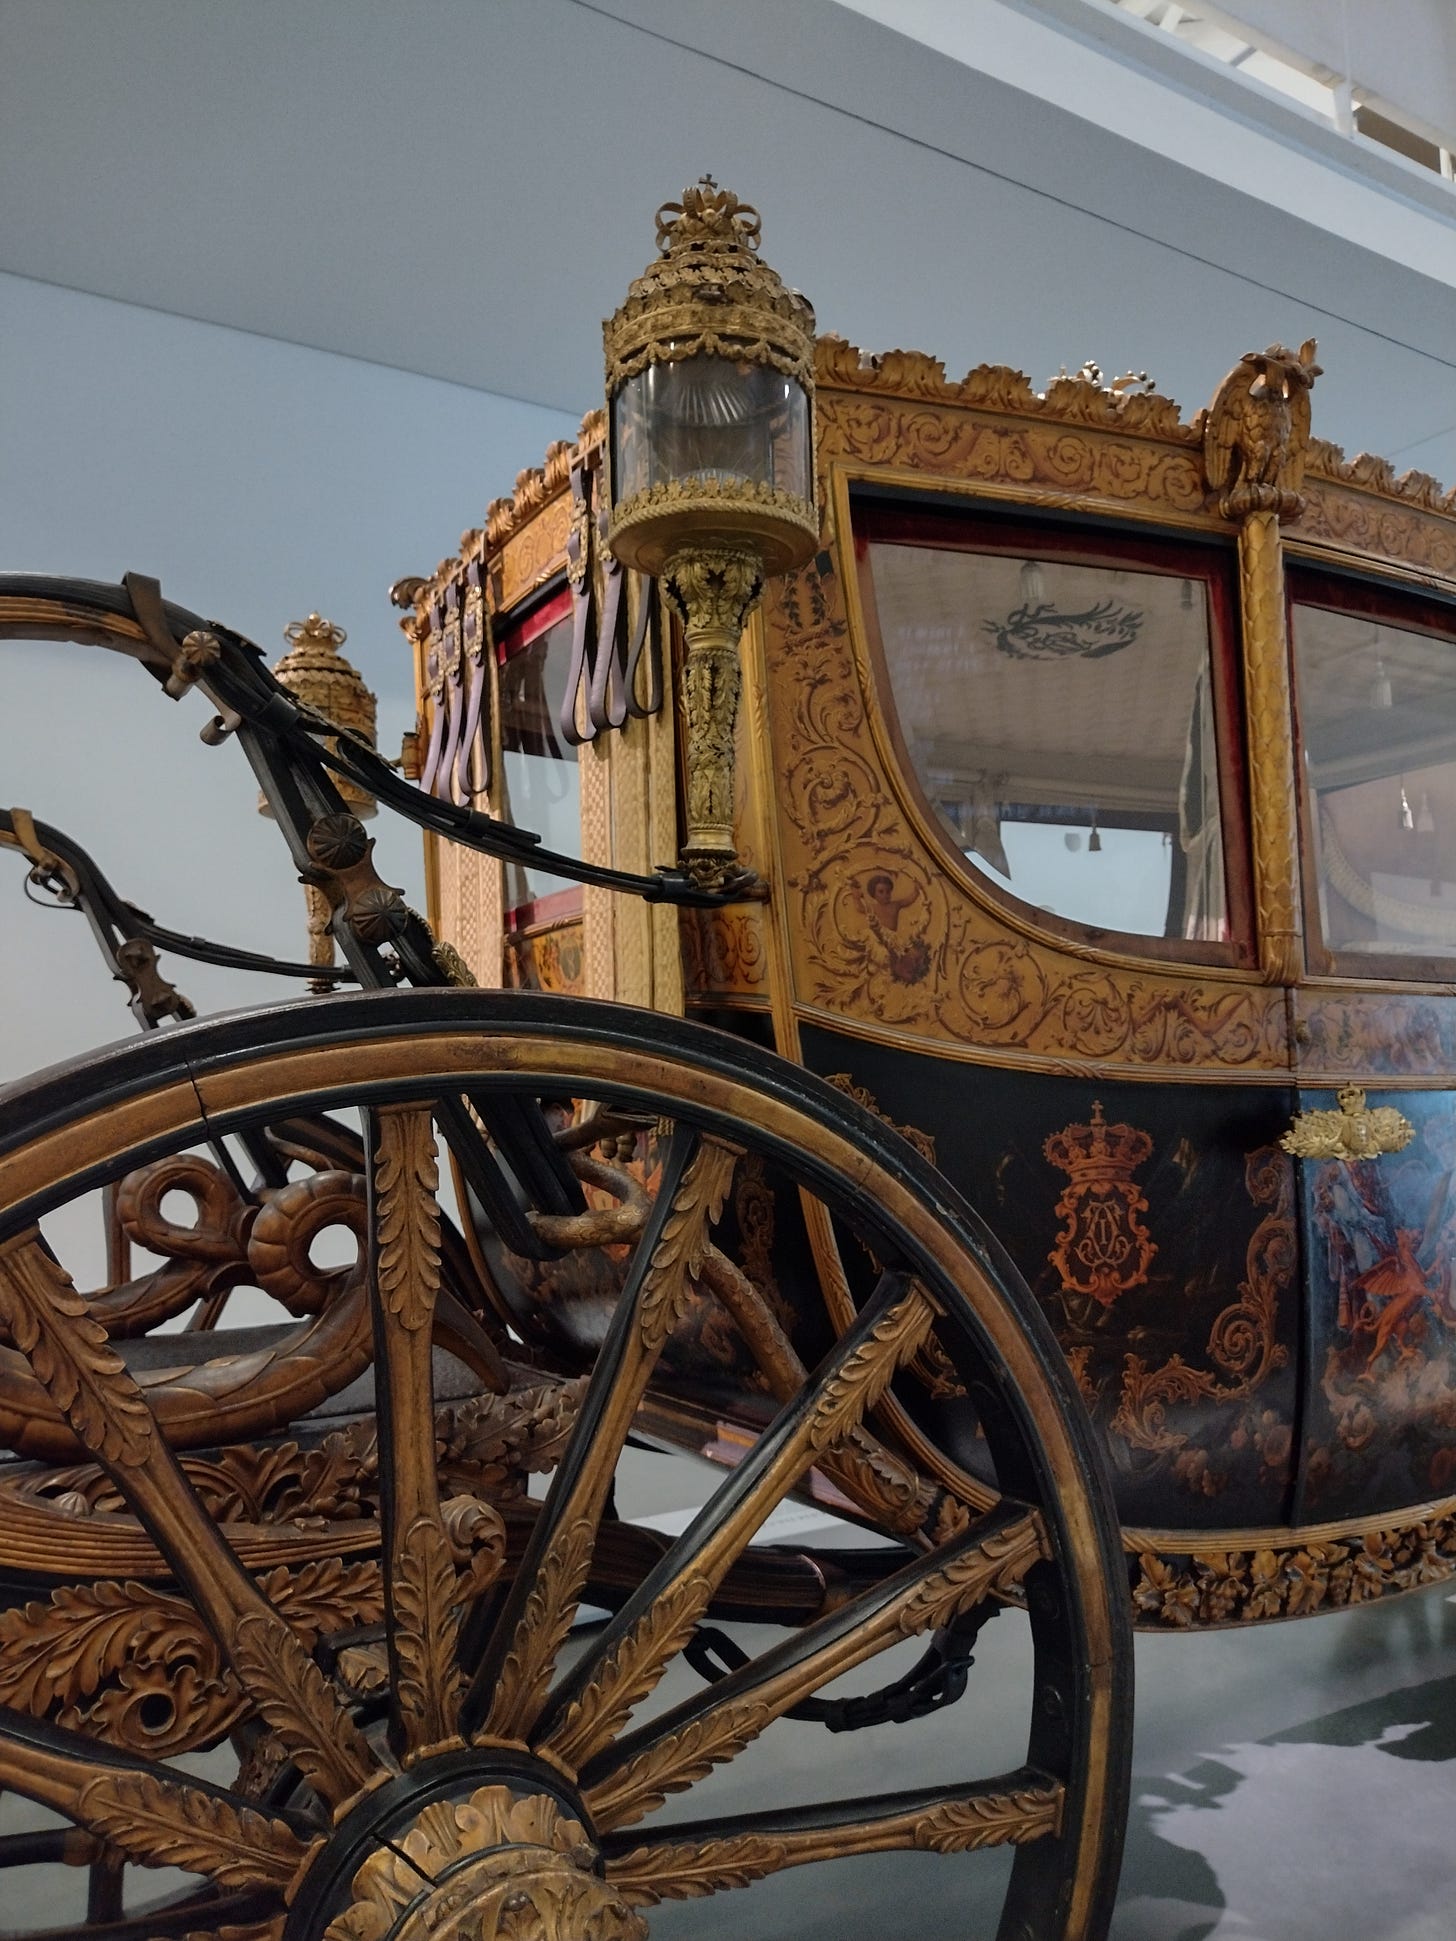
358,1623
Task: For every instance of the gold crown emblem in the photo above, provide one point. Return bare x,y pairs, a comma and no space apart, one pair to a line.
1098,1151
1102,1248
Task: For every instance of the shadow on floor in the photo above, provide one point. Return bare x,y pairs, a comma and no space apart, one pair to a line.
1337,1826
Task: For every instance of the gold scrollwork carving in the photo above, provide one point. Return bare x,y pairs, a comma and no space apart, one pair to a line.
499,1864
713,589
663,1870
144,1816
1269,709
139,1669
1243,1346
1092,465
878,929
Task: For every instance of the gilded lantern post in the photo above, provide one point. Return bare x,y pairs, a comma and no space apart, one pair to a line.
1255,438
710,387
316,672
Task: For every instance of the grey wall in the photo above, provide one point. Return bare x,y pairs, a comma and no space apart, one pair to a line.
257,481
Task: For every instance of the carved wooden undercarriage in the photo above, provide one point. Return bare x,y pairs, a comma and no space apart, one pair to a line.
354,1606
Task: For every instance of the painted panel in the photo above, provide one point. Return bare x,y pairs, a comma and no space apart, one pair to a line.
1380,1428
1156,1225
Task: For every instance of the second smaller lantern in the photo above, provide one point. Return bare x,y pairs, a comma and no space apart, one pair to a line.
315,671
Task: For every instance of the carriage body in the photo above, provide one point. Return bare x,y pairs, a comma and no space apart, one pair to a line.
1099,768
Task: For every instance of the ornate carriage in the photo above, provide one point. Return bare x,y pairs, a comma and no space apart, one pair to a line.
1099,768
1085,823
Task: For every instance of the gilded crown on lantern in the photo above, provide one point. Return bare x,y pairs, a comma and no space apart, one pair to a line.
710,385
709,289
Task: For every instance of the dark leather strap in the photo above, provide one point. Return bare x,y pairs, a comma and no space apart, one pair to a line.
606,699
605,656
453,655
644,642
146,603
578,572
435,676
476,639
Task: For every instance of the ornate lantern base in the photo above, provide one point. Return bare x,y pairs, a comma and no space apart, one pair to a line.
713,589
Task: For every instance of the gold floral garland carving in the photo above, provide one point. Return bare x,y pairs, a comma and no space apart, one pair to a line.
1325,1568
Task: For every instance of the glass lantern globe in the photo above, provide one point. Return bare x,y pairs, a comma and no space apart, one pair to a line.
710,387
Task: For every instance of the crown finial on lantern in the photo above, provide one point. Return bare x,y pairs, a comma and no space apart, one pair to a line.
708,216
315,628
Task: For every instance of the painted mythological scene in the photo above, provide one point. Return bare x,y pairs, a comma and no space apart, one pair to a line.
1379,1236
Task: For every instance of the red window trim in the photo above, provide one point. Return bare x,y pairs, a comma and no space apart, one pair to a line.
516,638
961,526
561,906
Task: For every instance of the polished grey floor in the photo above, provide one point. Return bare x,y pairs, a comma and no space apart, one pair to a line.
1295,1783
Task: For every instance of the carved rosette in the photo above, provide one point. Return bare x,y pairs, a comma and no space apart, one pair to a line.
494,1867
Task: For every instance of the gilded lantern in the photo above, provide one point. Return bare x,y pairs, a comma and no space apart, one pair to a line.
315,670
711,387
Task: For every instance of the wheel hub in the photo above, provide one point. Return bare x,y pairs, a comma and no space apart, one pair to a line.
465,1847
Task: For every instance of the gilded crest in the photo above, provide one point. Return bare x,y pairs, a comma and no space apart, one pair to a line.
1356,1131
1103,1248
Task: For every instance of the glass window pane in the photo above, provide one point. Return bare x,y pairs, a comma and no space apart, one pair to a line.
1377,712
1061,720
541,783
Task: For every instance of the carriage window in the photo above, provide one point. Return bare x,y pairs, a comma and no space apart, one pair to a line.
1377,712
1060,718
541,784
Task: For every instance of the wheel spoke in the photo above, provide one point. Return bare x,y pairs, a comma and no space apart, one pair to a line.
871,1475
88,1382
705,1857
514,1674
150,1815
419,1570
658,1620
676,1750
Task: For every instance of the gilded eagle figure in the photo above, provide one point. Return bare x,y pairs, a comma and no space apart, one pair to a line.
1256,432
